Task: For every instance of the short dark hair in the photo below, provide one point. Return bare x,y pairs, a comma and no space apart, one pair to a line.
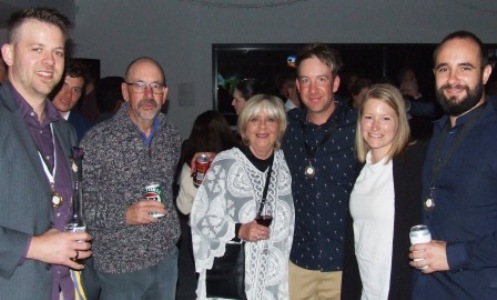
42,14
77,68
325,54
463,34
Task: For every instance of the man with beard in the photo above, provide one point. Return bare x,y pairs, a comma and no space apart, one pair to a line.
135,249
460,180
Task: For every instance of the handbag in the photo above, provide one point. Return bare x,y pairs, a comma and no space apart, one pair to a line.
226,278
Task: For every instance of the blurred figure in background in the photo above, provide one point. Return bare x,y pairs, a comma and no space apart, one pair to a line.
358,86
68,93
109,96
287,89
210,133
245,89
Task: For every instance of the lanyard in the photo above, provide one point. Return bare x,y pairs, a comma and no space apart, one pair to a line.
310,171
438,166
56,197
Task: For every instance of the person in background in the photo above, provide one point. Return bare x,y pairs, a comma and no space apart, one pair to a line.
38,166
384,202
210,133
287,90
88,106
67,94
135,252
109,96
245,89
358,86
3,71
319,149
227,202
460,180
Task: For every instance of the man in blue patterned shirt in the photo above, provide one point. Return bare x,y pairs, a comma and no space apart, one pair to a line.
319,149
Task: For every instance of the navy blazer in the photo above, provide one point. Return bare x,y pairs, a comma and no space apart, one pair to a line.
25,201
80,123
407,176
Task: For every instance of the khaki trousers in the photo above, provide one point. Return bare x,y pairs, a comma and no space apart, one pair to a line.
313,285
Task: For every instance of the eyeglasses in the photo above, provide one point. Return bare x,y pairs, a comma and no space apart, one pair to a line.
140,86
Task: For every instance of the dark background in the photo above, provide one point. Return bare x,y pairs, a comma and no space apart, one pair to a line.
378,62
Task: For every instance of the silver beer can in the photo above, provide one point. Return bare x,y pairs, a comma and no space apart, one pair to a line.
420,234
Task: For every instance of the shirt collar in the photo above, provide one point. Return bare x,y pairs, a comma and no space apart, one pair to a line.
460,121
26,110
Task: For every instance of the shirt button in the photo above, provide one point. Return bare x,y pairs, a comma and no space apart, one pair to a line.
58,214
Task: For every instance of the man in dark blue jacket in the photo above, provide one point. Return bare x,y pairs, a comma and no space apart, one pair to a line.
460,180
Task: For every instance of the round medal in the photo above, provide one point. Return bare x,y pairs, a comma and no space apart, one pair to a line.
56,199
310,171
429,204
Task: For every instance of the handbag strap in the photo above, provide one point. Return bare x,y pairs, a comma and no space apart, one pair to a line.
264,193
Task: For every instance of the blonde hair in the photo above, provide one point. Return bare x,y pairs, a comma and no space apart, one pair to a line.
272,106
391,96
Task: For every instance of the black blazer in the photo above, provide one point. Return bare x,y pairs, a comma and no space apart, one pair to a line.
407,176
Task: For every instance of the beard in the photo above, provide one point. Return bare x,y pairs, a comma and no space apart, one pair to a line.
143,115
454,107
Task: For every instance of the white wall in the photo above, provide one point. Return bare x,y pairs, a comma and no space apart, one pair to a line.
180,34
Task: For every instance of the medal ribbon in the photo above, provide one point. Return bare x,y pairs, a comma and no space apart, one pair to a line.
437,167
50,175
311,151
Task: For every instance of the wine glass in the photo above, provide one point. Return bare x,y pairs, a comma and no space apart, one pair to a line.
264,217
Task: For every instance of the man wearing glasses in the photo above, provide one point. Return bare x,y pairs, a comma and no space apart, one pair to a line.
134,250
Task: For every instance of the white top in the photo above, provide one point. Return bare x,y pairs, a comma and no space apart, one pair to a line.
187,190
372,206
229,195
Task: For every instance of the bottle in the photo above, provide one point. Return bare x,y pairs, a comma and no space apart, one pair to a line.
77,221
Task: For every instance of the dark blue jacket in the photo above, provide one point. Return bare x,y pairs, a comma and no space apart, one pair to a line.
465,212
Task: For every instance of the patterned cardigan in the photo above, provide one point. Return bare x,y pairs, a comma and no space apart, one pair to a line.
116,166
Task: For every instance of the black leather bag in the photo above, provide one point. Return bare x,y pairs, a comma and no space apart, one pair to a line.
226,278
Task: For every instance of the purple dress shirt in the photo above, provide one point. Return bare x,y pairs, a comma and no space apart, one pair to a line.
44,140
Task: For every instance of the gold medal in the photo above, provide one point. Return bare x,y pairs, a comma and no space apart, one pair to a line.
56,199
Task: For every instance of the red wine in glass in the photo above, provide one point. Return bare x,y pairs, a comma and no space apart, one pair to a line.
264,220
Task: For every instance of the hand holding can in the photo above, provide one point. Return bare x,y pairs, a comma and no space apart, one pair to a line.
420,234
202,164
153,191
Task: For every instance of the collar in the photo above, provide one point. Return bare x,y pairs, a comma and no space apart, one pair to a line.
460,121
52,114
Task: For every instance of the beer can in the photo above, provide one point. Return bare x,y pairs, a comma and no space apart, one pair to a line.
202,164
420,234
153,191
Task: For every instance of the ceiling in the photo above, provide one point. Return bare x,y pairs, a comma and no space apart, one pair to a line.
7,7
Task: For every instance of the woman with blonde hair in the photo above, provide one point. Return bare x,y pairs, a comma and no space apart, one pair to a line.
228,203
385,201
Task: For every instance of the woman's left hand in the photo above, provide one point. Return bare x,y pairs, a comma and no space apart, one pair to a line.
253,232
